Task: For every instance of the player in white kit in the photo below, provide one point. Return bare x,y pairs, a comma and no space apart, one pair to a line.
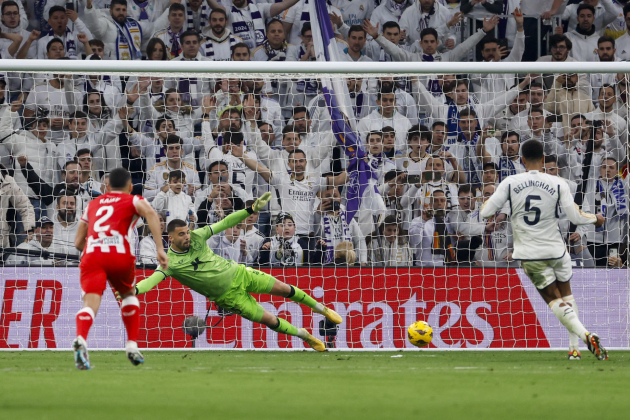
534,198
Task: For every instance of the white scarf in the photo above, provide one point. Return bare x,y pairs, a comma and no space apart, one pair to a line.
240,27
333,226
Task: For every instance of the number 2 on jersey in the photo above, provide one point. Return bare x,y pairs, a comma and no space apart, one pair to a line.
529,208
98,226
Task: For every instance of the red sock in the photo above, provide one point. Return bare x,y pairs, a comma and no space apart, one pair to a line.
130,310
85,317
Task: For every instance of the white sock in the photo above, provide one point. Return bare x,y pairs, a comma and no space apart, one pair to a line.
567,316
574,340
131,346
302,333
319,308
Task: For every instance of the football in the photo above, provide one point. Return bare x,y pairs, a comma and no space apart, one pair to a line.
420,334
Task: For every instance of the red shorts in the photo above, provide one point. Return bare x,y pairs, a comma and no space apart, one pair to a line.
97,269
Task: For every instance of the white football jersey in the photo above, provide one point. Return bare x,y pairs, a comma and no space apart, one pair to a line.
534,199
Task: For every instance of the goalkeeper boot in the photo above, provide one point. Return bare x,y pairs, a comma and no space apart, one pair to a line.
312,341
332,316
575,355
133,354
594,345
81,358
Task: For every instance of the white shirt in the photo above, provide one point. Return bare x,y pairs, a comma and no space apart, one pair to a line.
584,46
605,12
250,37
354,12
296,197
375,122
533,198
63,237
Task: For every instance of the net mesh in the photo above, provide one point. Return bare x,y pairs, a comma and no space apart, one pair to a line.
200,147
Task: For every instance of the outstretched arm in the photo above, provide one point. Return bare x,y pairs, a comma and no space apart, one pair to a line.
150,282
234,218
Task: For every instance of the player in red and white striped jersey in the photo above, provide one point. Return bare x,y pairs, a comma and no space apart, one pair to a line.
104,237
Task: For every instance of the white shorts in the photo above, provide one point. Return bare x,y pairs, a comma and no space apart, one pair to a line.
544,272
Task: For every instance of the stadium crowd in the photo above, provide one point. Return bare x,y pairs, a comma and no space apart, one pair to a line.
437,145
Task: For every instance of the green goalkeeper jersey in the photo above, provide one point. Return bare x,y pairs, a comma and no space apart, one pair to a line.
199,268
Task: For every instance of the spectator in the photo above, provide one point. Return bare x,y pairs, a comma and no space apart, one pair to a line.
148,250
584,37
80,138
488,85
429,42
65,225
75,36
433,178
42,239
427,14
354,11
154,149
170,35
605,54
498,243
428,235
380,163
240,52
335,230
389,248
104,127
21,16
31,143
58,98
70,185
275,47
576,238
276,160
466,233
253,237
389,11
11,195
12,13
566,99
386,115
611,200
509,162
623,42
238,173
298,16
156,50
288,249
248,19
561,47
606,12
539,128
121,33
219,41
608,110
175,202
297,191
191,89
357,37
197,14
537,15
157,178
230,244
87,173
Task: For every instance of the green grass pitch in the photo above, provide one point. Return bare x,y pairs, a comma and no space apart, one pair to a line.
307,385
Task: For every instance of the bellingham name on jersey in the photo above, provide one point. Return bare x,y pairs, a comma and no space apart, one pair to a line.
532,183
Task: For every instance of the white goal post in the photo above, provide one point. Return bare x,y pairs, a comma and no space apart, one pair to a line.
472,298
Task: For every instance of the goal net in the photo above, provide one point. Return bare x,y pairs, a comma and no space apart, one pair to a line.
377,177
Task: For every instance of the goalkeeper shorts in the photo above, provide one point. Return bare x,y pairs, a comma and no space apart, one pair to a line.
544,272
238,299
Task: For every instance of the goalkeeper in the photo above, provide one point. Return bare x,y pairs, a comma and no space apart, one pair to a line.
192,263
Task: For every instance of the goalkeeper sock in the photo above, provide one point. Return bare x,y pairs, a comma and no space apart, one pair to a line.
85,318
285,327
574,340
130,310
567,316
299,296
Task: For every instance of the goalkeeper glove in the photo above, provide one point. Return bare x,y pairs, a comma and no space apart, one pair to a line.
261,202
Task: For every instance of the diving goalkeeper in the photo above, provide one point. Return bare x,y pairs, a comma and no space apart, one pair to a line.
192,263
